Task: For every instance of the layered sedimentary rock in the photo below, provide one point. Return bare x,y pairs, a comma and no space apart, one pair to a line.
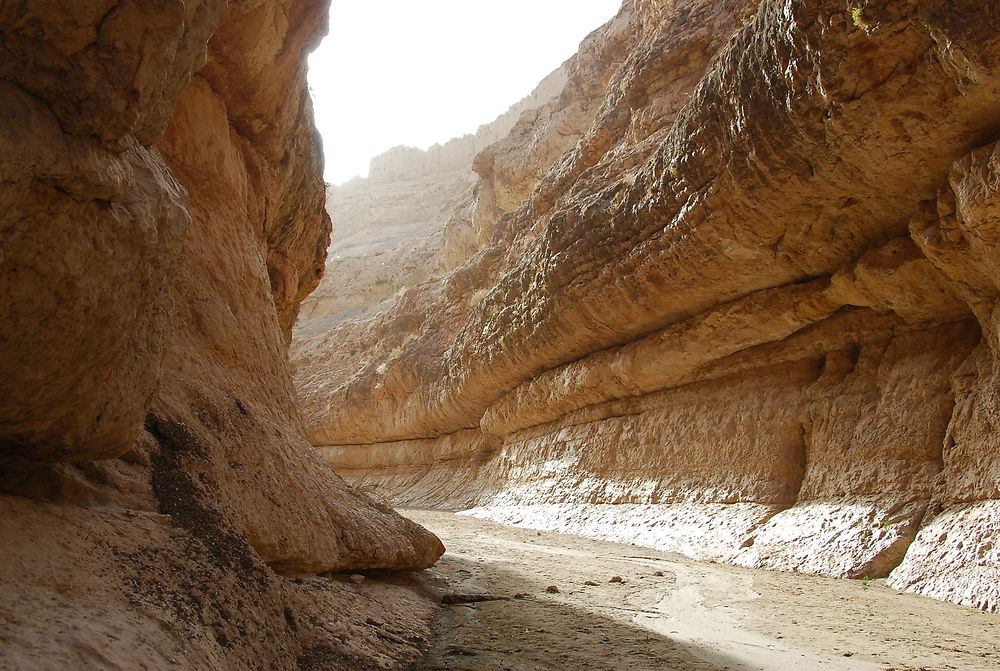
161,211
748,315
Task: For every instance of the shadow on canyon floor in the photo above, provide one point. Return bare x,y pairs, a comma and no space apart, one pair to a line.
540,631
628,608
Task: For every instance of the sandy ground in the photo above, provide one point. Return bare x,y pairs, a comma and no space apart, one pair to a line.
673,613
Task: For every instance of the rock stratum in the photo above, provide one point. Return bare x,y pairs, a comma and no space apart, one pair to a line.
161,218
732,292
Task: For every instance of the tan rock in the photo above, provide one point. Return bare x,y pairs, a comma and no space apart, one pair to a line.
296,513
398,228
82,350
117,588
955,557
388,240
161,210
748,315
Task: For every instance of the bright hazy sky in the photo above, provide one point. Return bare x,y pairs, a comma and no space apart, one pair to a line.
418,72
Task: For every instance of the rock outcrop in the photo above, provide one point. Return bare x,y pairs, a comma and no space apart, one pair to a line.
161,210
748,315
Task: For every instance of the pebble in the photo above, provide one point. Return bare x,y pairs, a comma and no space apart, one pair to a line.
552,589
617,578
357,578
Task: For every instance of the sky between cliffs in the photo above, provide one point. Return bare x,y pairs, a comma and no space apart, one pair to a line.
397,72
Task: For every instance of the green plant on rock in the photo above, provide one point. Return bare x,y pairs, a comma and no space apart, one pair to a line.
860,20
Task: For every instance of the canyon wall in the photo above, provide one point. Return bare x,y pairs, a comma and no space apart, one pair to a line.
748,313
161,210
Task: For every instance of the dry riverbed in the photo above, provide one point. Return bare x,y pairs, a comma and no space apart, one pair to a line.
668,612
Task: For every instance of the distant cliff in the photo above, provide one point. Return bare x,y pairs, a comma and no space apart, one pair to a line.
392,227
406,163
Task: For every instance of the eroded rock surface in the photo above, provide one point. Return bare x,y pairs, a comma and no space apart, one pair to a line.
748,315
161,219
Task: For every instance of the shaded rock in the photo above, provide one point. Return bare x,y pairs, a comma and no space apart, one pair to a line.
454,598
161,219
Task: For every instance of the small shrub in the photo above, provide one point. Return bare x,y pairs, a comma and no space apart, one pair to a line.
859,19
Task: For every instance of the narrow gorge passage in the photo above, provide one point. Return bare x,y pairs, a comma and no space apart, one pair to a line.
725,283
670,612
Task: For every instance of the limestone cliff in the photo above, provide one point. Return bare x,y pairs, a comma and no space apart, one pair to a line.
161,210
749,315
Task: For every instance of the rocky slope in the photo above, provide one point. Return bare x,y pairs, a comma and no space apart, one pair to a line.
749,315
161,211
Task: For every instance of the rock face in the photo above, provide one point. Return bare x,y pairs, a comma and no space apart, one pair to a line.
748,315
161,211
